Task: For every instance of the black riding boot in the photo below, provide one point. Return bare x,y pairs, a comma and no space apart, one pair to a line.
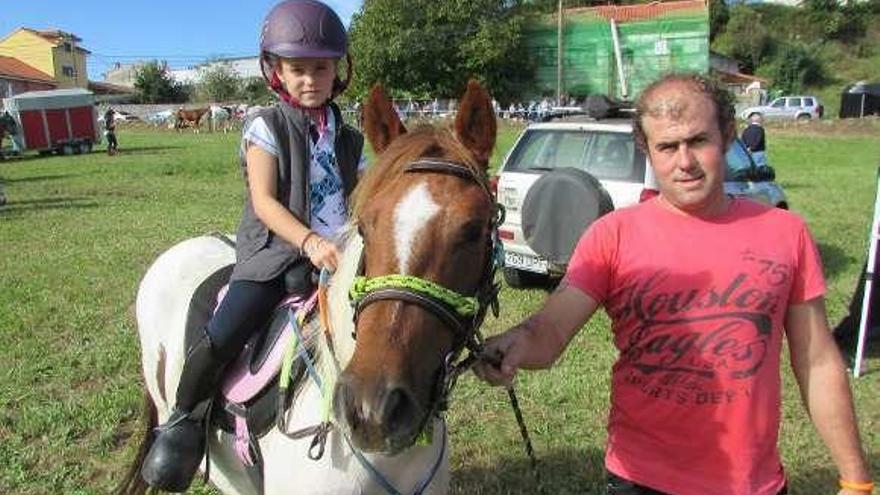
179,446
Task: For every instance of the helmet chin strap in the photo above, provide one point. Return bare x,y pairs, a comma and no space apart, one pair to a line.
317,114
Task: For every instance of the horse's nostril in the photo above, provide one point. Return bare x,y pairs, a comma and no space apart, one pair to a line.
399,410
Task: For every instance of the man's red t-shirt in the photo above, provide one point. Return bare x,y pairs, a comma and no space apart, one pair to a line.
698,308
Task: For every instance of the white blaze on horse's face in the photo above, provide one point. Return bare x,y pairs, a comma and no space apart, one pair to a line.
411,216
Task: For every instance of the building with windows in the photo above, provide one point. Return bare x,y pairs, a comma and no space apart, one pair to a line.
53,52
243,67
123,74
18,77
617,50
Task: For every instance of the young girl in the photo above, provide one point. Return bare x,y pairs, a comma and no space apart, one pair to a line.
301,163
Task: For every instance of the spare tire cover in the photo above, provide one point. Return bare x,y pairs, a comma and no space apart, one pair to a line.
558,209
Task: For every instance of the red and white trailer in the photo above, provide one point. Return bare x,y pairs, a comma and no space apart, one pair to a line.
60,120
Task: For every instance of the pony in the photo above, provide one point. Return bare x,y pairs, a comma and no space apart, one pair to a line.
190,118
414,282
221,117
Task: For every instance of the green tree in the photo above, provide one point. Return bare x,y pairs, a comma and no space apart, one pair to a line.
845,22
745,38
153,84
719,14
256,92
429,48
796,65
219,82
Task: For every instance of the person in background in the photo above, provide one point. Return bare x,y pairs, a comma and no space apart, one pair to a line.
755,139
698,319
110,131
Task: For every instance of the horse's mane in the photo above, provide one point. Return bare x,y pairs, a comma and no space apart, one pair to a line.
424,141
341,314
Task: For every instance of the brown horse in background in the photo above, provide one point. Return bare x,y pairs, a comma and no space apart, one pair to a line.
190,118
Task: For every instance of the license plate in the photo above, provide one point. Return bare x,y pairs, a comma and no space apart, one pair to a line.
525,262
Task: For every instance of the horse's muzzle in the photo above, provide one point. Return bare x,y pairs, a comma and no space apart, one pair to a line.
385,417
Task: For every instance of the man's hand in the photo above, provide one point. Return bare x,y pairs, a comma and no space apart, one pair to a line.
502,356
538,341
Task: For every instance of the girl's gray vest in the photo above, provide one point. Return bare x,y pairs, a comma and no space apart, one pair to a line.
260,254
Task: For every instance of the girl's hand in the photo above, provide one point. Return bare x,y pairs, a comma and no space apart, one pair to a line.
321,252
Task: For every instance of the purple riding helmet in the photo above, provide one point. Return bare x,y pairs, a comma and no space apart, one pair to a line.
303,29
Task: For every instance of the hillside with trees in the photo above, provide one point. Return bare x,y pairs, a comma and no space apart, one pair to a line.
818,48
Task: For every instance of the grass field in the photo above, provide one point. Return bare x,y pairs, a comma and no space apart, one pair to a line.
79,232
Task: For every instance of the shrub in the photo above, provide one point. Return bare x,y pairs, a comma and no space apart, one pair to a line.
745,38
796,65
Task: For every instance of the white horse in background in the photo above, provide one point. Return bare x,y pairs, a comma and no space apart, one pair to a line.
221,118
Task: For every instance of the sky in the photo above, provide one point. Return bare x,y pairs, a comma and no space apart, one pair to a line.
182,32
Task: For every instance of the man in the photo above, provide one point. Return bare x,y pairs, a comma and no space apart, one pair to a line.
700,288
110,131
754,139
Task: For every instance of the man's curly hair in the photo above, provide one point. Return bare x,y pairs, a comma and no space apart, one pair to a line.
723,100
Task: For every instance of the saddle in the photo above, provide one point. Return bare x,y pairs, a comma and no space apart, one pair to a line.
249,399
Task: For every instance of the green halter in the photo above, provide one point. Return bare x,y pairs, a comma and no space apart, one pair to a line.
463,305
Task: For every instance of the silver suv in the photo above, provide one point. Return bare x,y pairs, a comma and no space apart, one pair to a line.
787,108
562,175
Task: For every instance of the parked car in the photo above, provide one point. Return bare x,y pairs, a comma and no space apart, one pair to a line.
787,108
562,175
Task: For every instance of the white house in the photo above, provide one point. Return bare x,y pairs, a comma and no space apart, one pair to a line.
244,67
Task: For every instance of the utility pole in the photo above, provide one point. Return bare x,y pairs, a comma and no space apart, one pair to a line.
559,55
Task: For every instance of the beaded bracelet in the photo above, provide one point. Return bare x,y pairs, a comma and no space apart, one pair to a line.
859,486
302,245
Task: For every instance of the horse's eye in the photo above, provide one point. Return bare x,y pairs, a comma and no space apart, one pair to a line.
471,233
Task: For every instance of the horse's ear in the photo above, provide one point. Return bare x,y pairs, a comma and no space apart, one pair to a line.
381,122
475,123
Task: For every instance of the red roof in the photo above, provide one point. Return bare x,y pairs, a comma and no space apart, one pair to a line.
55,35
13,68
107,88
630,13
737,78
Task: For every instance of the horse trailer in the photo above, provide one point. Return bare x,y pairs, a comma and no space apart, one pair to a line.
64,121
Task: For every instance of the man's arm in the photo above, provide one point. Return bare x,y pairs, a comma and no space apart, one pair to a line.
822,379
538,341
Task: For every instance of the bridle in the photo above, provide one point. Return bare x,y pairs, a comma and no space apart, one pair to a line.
461,314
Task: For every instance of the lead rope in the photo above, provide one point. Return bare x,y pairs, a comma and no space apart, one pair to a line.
498,253
468,363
